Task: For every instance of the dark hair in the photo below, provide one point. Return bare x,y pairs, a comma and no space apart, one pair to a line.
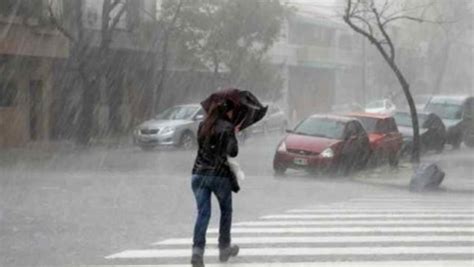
216,111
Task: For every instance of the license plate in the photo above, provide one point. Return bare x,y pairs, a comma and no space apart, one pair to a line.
300,161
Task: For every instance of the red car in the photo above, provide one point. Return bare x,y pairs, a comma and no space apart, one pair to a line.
323,143
385,139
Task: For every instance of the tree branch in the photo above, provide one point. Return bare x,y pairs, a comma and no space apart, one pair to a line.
384,33
363,20
58,25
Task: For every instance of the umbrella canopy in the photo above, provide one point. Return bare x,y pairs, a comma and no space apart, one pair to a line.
247,108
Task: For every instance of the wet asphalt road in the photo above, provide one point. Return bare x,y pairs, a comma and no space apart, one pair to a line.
75,207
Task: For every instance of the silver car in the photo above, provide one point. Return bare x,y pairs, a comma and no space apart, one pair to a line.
274,120
176,126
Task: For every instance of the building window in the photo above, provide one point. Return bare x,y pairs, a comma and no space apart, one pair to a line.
7,94
134,8
24,8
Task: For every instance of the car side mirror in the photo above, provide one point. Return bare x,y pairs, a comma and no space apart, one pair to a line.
199,117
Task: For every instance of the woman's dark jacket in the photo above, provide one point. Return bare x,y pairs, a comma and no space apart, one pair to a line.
213,150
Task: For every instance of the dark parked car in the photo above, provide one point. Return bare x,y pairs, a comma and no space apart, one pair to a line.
385,139
323,143
457,113
420,102
432,131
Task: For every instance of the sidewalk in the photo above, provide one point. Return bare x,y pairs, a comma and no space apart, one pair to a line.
454,181
41,153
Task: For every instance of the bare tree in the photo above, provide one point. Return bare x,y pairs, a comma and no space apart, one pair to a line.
168,26
459,16
90,62
373,22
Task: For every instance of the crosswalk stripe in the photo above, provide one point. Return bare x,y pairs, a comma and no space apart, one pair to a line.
366,215
348,230
354,222
421,200
437,263
324,239
299,251
454,210
405,204
389,230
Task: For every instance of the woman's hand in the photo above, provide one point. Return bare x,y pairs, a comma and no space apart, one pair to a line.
237,128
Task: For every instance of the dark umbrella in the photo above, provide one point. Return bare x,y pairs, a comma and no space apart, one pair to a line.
247,108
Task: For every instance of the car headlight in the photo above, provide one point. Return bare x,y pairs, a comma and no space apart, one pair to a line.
282,147
327,153
167,130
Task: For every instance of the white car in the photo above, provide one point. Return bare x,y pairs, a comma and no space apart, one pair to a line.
274,120
384,106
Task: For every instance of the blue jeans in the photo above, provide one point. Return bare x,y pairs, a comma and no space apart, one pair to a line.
202,187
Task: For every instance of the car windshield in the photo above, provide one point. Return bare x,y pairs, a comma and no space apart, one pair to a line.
421,99
369,124
321,127
177,113
448,111
404,119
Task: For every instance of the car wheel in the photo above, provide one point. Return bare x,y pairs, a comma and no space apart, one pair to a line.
469,138
279,169
364,159
187,141
439,147
457,143
406,149
344,167
393,159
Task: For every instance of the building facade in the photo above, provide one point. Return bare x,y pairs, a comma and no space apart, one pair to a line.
28,52
321,64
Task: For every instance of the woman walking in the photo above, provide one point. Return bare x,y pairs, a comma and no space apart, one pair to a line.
212,175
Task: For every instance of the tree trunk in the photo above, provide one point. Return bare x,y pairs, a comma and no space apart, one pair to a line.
87,113
415,155
157,93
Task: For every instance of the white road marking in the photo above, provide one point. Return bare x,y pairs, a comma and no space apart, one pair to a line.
365,215
385,210
354,222
420,200
324,239
440,263
284,230
298,251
